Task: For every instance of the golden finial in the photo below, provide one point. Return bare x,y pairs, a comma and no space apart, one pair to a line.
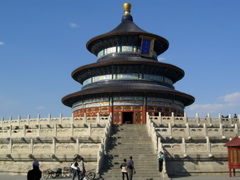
127,8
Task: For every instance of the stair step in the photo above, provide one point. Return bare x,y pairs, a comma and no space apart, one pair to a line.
130,140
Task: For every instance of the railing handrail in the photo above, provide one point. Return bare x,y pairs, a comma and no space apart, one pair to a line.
102,149
51,120
172,119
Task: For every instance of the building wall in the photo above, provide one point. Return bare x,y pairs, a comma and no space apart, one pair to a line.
122,114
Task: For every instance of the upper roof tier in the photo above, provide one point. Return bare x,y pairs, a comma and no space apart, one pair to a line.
127,33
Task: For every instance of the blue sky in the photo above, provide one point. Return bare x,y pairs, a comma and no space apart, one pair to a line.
43,41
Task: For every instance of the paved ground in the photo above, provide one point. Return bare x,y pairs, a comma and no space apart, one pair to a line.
210,177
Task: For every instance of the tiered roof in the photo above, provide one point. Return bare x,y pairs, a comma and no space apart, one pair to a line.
127,33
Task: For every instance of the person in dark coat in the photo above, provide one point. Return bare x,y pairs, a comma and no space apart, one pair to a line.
35,173
130,167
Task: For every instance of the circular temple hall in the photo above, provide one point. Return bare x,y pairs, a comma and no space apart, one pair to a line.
127,80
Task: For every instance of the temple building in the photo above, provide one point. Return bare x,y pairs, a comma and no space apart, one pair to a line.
126,85
127,80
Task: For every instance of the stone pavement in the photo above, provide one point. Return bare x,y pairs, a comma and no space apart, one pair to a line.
209,177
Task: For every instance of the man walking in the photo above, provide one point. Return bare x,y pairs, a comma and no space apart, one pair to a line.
35,173
130,167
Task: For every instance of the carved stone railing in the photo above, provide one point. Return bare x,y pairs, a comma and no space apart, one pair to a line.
51,138
104,142
201,130
101,119
195,120
152,132
192,129
55,130
52,120
156,141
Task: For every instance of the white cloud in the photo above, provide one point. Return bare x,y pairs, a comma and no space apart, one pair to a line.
233,98
161,58
41,107
209,108
74,25
1,43
230,104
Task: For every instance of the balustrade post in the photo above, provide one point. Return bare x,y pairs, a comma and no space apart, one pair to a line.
184,145
219,118
49,119
77,149
148,125
39,130
53,145
72,119
24,130
185,118
173,118
197,119
89,129
55,130
170,129
10,131
209,119
208,144
98,118
187,129
230,119
85,118
160,117
28,120
38,119
205,129
19,119
60,118
147,119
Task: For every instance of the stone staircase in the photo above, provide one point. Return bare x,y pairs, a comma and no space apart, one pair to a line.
130,140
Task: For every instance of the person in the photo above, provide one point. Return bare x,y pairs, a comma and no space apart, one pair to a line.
124,169
35,173
160,160
130,168
76,170
82,168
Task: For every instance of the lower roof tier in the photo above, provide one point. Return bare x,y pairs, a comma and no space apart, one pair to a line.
130,89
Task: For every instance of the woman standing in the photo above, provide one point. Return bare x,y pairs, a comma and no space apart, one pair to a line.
160,160
124,169
76,170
